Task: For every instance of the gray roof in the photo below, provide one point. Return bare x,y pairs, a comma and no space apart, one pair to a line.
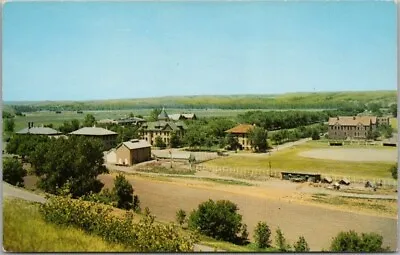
163,115
93,131
179,116
136,144
39,131
162,125
176,116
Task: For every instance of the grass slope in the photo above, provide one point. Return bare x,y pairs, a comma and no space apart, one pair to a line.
24,230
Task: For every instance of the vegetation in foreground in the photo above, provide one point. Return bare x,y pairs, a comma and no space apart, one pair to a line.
24,230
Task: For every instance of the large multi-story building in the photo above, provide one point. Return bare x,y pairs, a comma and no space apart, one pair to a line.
163,128
356,127
241,132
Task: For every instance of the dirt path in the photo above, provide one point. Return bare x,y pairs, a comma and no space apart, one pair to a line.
317,224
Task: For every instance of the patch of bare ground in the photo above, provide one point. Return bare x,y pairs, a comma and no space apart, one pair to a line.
289,209
352,154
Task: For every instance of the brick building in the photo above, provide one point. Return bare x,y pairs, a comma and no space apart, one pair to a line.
356,127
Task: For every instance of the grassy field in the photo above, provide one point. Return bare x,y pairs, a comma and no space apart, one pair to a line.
393,123
289,160
24,230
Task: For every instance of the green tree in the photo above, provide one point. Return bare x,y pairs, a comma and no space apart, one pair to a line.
154,114
301,245
315,134
258,138
158,142
181,217
393,110
219,220
351,241
394,171
262,235
76,162
75,124
131,115
13,172
281,242
9,125
175,140
232,142
89,120
123,191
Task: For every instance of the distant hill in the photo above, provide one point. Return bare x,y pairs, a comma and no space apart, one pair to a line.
317,100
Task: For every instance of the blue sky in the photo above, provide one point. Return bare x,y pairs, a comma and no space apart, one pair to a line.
101,50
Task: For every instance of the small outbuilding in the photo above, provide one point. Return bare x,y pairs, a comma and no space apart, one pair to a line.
132,152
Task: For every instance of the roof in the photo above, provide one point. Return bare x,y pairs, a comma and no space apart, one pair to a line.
163,115
93,131
106,121
179,116
352,120
240,129
135,144
39,131
175,116
162,125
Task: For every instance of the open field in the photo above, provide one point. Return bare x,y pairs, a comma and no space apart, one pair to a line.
25,231
318,224
291,160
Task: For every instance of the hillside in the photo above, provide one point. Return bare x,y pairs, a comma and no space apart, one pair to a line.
320,100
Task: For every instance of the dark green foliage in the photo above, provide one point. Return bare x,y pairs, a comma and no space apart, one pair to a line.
180,217
9,124
280,241
301,245
315,134
7,114
89,120
154,114
49,125
76,161
69,126
262,235
258,138
24,145
394,171
373,134
158,142
219,220
175,140
351,241
386,130
13,172
393,110
123,191
232,142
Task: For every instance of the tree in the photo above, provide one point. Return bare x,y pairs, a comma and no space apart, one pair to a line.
315,134
351,241
258,138
76,162
181,217
13,172
89,120
301,245
154,114
281,242
175,140
23,145
131,115
219,220
9,125
262,234
394,171
232,142
123,191
393,110
158,142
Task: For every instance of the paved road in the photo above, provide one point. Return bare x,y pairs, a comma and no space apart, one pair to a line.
11,191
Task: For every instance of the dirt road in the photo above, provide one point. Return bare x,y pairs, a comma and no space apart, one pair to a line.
317,224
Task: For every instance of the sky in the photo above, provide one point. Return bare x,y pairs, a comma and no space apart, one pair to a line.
111,50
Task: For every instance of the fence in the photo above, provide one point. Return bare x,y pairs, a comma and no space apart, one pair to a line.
265,174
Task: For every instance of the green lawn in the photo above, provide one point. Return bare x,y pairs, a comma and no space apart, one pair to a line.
289,160
24,230
393,123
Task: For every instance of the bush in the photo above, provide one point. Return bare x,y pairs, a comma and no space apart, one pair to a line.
98,219
301,245
159,143
13,172
351,241
394,171
315,135
262,235
281,242
219,220
181,217
123,192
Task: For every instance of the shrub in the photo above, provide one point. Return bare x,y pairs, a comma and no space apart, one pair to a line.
219,220
13,172
315,135
281,242
98,219
262,235
351,241
159,143
393,170
180,217
123,192
301,245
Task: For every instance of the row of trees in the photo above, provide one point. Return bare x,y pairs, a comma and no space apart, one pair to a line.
221,220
